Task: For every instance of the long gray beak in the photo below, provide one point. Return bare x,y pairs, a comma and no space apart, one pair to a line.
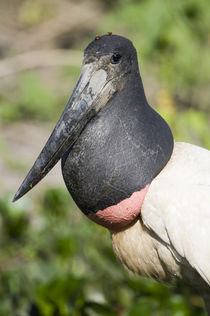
92,92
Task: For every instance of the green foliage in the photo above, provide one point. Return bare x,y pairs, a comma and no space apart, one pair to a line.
190,125
32,101
35,98
32,13
54,261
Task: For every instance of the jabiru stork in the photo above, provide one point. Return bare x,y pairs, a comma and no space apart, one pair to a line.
124,171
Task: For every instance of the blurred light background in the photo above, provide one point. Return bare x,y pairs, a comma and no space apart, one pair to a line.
53,261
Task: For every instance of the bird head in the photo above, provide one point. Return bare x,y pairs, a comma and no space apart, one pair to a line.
107,61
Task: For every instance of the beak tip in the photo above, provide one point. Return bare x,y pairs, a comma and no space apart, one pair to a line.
16,197
23,189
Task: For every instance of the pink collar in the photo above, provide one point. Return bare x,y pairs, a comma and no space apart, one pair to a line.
118,216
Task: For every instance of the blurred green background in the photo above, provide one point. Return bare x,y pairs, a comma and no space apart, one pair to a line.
53,261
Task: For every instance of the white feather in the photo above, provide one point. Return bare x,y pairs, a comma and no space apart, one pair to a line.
177,207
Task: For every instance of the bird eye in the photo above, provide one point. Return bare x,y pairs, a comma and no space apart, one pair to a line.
115,58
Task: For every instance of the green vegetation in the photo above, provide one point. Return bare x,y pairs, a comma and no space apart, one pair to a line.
34,99
54,261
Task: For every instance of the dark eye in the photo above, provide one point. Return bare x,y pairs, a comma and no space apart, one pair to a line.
115,58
